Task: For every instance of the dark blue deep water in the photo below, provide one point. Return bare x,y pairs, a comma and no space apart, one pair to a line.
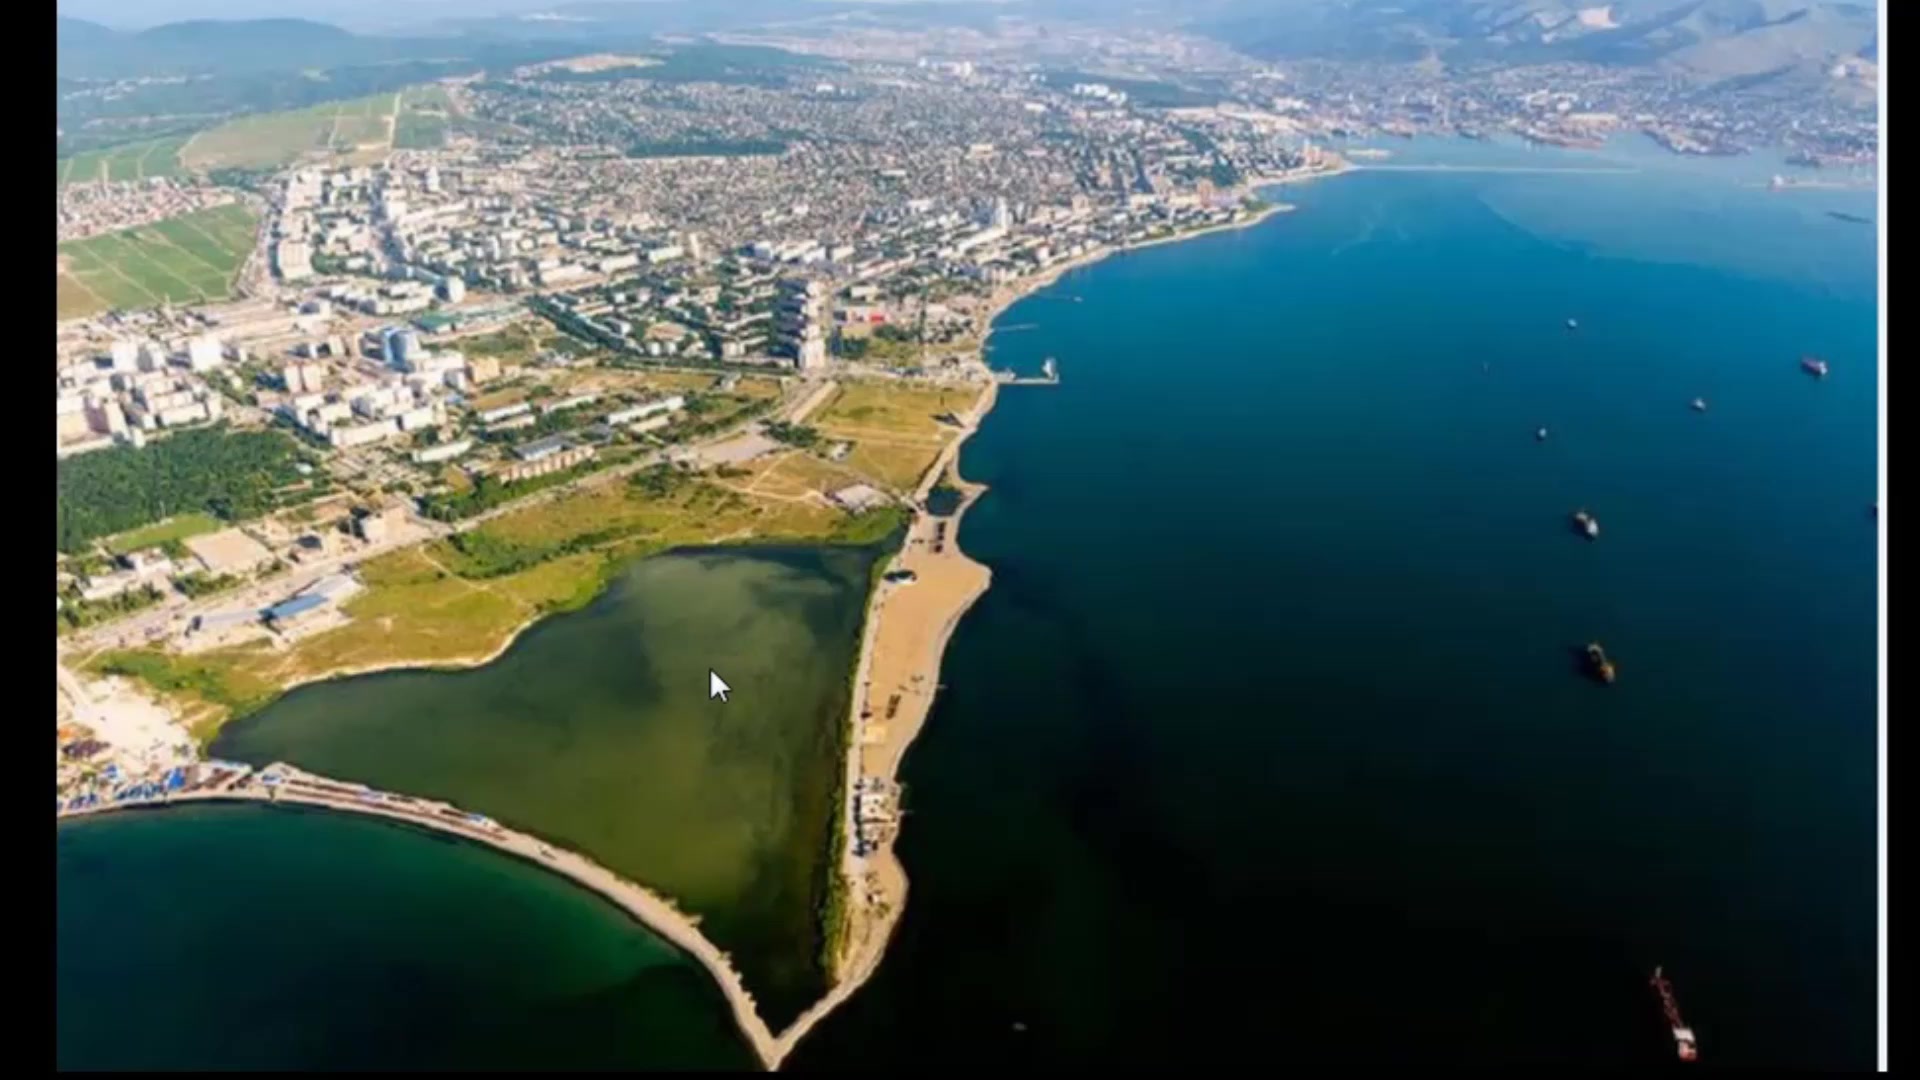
1269,741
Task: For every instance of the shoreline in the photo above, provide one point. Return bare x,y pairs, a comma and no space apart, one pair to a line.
653,911
868,932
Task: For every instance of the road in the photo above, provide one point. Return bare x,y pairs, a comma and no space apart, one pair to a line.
1595,170
76,694
176,613
798,402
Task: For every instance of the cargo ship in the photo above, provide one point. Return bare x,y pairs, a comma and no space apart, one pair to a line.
1598,664
1584,522
1683,1040
1814,366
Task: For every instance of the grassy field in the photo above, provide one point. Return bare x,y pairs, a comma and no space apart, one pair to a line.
794,474
445,603
423,119
132,161
894,427
895,408
516,344
187,259
335,129
174,528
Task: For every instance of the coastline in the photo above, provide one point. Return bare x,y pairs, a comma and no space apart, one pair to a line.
915,680
897,654
1005,296
657,913
904,638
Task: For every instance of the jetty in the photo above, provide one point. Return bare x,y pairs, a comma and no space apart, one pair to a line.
284,785
1049,376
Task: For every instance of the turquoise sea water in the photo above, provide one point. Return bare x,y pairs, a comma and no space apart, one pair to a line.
1269,741
245,937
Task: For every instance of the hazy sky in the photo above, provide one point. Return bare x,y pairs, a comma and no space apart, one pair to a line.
352,14
135,14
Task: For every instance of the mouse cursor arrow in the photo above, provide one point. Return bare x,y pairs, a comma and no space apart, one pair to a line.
716,686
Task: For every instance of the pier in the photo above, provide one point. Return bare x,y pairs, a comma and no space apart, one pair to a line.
1049,376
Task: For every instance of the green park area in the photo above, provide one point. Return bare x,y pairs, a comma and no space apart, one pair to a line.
230,475
171,531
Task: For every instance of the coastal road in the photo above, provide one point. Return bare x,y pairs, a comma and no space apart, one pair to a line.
1579,170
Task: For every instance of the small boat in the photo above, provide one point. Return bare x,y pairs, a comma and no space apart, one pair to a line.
1573,324
1584,522
1684,1043
1540,435
1814,366
1699,404
1598,664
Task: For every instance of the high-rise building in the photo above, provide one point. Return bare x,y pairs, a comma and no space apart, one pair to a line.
1002,216
401,347
453,288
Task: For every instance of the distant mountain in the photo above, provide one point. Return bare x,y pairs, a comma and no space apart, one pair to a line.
631,20
89,50
81,33
1710,38
254,47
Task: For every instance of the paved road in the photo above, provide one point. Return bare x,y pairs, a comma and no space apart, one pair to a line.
177,612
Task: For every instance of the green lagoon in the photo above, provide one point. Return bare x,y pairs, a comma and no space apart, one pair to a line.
595,731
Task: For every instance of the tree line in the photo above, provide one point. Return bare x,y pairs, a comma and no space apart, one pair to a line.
232,475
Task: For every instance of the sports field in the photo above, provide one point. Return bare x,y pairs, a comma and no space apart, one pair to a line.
348,131
187,259
131,161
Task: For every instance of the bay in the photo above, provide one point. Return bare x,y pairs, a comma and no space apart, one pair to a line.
249,937
1270,741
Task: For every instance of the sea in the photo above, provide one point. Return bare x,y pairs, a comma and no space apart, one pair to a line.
1272,741
251,937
